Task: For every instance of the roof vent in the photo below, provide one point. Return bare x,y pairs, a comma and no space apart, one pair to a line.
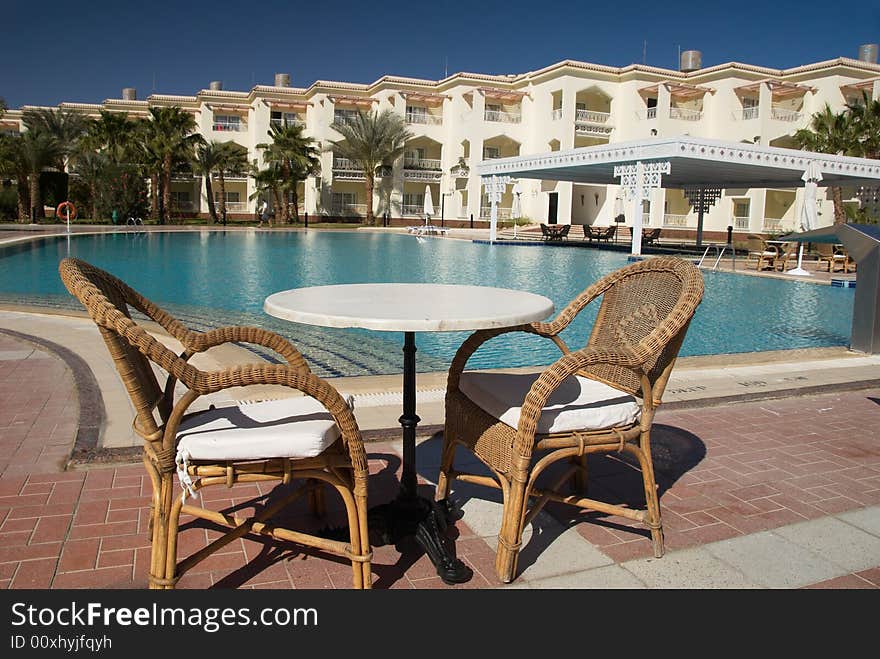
868,53
216,85
691,60
282,80
129,94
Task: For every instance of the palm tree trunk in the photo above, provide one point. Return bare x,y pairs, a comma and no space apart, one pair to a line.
154,197
209,190
23,199
166,191
370,221
94,194
279,202
222,183
839,212
285,207
36,203
295,204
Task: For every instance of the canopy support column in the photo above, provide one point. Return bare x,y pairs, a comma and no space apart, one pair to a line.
495,187
638,181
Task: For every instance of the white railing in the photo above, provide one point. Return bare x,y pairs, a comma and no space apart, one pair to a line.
784,114
593,131
556,114
287,122
222,127
646,219
503,212
685,114
233,206
417,210
750,113
592,116
674,220
651,113
741,222
421,163
424,118
502,116
427,175
772,225
348,210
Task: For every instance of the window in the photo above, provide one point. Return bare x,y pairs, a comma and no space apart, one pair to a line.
342,199
224,122
229,197
416,114
343,116
284,118
414,199
180,198
490,152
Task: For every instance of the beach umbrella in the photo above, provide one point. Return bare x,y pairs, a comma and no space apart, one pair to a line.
809,212
429,204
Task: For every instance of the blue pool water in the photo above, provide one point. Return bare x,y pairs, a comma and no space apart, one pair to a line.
209,279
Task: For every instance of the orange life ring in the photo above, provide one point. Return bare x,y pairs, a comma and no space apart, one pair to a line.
64,205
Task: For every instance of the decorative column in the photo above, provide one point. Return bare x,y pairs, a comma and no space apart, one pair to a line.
495,187
637,182
701,199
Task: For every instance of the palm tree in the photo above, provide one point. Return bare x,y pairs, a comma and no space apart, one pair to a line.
38,150
369,140
168,140
66,126
268,183
113,134
864,118
206,162
91,168
298,158
12,164
232,160
830,132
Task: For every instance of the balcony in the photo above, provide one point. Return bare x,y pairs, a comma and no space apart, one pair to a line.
651,113
422,169
750,113
226,127
685,114
425,118
591,116
413,210
670,220
347,170
772,225
233,206
502,116
741,222
784,114
287,122
556,114
348,210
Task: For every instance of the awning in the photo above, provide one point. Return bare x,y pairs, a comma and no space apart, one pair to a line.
235,109
425,97
778,89
287,105
858,87
508,95
677,89
361,101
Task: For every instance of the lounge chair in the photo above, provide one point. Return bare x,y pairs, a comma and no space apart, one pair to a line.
835,257
788,257
590,234
545,232
608,233
599,399
650,236
763,254
303,440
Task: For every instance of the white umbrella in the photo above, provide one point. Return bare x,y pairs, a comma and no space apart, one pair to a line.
429,204
515,209
809,212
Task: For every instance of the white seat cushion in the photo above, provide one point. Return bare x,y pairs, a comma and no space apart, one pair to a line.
578,404
297,427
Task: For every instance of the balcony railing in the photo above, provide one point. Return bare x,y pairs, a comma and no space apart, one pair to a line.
750,113
424,118
593,130
503,212
651,113
670,220
685,114
345,169
426,175
784,114
772,225
421,163
240,127
348,210
289,122
502,116
646,219
556,114
413,210
741,222
233,206
592,116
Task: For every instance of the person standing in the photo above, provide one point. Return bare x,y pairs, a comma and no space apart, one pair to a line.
264,212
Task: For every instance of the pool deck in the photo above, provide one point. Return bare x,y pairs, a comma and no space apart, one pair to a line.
768,466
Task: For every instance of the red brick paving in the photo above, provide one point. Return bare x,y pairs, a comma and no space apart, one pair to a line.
723,472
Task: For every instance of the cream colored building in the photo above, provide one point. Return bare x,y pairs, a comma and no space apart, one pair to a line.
469,117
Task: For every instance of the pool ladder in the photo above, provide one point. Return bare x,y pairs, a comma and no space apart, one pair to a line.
719,252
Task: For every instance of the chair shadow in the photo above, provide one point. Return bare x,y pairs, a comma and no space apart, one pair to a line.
613,478
876,401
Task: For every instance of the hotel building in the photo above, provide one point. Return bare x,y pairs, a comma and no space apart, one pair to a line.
469,117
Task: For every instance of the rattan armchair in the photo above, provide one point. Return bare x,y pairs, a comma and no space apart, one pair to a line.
303,442
599,399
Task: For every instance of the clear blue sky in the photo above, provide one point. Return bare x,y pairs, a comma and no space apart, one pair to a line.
88,51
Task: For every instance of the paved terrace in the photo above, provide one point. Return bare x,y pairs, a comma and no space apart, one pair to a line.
768,465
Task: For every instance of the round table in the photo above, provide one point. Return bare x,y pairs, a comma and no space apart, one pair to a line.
412,308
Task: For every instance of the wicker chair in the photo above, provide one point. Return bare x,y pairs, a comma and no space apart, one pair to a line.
308,440
598,399
763,254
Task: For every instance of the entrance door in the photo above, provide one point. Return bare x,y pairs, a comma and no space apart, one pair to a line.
551,209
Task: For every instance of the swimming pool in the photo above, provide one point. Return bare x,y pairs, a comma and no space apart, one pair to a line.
214,278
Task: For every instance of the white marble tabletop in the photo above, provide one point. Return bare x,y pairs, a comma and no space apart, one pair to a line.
408,307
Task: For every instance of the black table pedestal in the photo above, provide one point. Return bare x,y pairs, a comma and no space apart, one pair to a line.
409,514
